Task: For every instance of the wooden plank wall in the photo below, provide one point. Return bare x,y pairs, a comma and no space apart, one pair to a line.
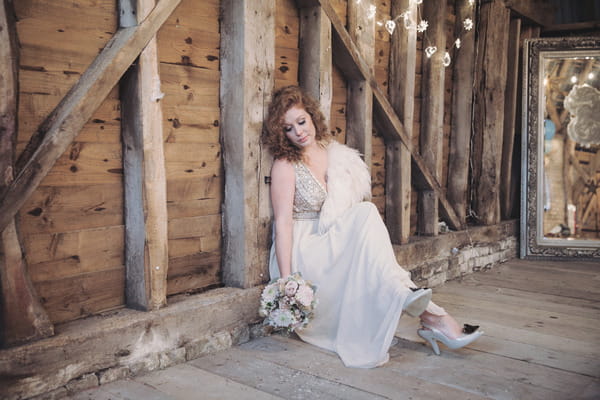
72,230
188,50
72,226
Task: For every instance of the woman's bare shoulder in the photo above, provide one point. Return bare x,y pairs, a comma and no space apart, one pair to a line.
282,167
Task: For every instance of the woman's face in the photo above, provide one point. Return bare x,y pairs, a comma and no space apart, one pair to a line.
298,127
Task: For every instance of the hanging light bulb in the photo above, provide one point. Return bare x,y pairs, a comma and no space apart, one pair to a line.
390,26
545,81
591,76
573,79
471,2
457,43
418,1
446,60
429,51
468,24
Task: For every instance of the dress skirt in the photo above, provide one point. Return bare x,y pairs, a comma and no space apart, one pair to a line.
360,286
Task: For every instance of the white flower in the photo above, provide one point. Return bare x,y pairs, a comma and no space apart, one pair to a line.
468,24
282,318
422,27
270,293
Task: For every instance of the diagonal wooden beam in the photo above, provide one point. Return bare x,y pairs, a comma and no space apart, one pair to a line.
349,60
64,123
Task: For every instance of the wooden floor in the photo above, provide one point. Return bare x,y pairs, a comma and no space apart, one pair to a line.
542,341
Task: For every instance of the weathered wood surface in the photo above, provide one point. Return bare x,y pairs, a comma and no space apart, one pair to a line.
128,338
348,59
490,88
22,317
246,85
511,121
62,125
145,210
462,109
431,137
538,344
315,70
398,188
359,104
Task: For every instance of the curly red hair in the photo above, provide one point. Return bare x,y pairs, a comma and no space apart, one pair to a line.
273,134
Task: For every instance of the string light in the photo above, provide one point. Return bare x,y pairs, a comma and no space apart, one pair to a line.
591,76
573,79
409,23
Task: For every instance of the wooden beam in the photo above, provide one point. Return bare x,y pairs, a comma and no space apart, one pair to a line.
541,12
145,210
359,102
316,66
398,188
432,114
247,62
490,87
22,317
508,196
348,59
462,111
64,123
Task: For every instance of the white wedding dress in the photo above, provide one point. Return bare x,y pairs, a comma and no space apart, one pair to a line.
360,286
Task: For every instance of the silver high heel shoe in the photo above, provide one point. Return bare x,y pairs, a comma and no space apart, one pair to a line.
432,335
416,302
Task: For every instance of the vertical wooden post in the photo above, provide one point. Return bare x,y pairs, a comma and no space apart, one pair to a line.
462,110
359,115
22,318
490,87
247,63
315,73
510,119
146,242
432,112
403,55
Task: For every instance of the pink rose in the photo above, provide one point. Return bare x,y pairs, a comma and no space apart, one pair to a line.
305,295
290,288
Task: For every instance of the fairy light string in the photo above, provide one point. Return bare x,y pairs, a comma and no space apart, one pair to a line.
408,21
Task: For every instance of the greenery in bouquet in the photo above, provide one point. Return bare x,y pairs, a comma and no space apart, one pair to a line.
288,303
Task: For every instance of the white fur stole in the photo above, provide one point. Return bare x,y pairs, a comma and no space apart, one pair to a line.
348,183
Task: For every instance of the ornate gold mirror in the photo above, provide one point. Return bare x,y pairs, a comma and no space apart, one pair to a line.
560,198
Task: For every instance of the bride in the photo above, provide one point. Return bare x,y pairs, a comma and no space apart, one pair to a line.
324,230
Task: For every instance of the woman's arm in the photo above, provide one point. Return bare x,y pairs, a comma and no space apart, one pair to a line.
283,186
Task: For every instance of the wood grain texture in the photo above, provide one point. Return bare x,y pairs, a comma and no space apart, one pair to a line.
432,114
490,88
359,103
22,316
462,106
246,86
398,158
63,124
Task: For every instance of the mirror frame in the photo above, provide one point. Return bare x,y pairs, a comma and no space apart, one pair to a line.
533,244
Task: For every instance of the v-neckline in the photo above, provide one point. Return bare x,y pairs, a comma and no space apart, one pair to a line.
323,187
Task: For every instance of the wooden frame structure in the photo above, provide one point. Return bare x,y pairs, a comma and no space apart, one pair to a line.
246,83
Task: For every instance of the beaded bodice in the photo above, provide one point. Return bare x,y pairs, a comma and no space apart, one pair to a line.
309,195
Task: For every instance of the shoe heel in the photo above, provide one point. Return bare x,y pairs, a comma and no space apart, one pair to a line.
428,336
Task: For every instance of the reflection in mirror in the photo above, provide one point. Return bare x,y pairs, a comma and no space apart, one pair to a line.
571,135
560,212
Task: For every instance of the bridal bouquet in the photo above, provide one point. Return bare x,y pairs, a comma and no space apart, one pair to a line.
288,304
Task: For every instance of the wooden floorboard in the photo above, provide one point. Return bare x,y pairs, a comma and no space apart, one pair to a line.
541,341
